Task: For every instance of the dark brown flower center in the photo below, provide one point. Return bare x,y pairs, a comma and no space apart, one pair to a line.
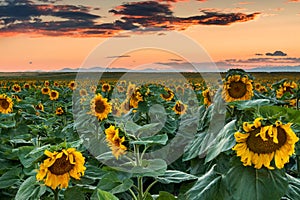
257,145
99,106
179,107
105,88
16,88
167,95
53,94
61,166
4,103
237,89
289,89
45,90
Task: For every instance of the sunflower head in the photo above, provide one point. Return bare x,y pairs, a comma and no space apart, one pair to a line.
83,92
115,141
100,107
179,108
53,94
6,104
16,88
40,106
72,85
237,86
59,111
45,90
46,83
106,87
168,94
260,144
208,96
58,168
286,87
26,85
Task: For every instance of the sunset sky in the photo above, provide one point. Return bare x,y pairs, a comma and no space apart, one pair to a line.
50,35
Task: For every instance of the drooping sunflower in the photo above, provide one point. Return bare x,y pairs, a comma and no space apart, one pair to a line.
208,96
59,167
45,90
53,95
115,142
72,85
100,107
40,107
16,88
179,108
59,111
286,87
168,95
106,87
135,98
6,104
259,145
237,87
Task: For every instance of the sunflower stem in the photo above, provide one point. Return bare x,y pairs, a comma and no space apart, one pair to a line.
298,165
140,190
55,192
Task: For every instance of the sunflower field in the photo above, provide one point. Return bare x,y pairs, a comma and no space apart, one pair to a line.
150,140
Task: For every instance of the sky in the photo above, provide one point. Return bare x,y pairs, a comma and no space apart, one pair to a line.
50,35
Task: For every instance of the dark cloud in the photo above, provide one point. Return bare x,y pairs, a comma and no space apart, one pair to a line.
24,16
122,56
145,8
259,54
276,53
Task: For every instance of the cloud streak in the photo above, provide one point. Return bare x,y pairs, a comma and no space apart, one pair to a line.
26,17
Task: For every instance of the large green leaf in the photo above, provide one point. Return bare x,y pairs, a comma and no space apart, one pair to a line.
208,187
294,187
156,139
151,168
192,150
29,154
103,195
223,142
10,178
289,115
248,183
165,196
114,184
30,189
174,176
242,105
73,193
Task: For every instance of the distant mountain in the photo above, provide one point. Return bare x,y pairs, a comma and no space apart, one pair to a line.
275,69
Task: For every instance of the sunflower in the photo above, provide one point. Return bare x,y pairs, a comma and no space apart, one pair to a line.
106,87
208,95
286,87
53,95
26,85
168,94
40,106
237,87
259,145
179,108
115,142
83,92
130,89
16,88
45,90
72,85
100,107
59,111
46,83
136,97
59,167
6,104
16,97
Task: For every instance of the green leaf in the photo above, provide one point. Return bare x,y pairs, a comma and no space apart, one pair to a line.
103,195
289,114
248,183
10,178
73,193
29,154
8,124
152,168
114,184
26,189
192,150
294,187
207,187
224,141
156,139
174,176
242,105
165,196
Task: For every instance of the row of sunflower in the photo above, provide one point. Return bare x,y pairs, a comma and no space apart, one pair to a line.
140,140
